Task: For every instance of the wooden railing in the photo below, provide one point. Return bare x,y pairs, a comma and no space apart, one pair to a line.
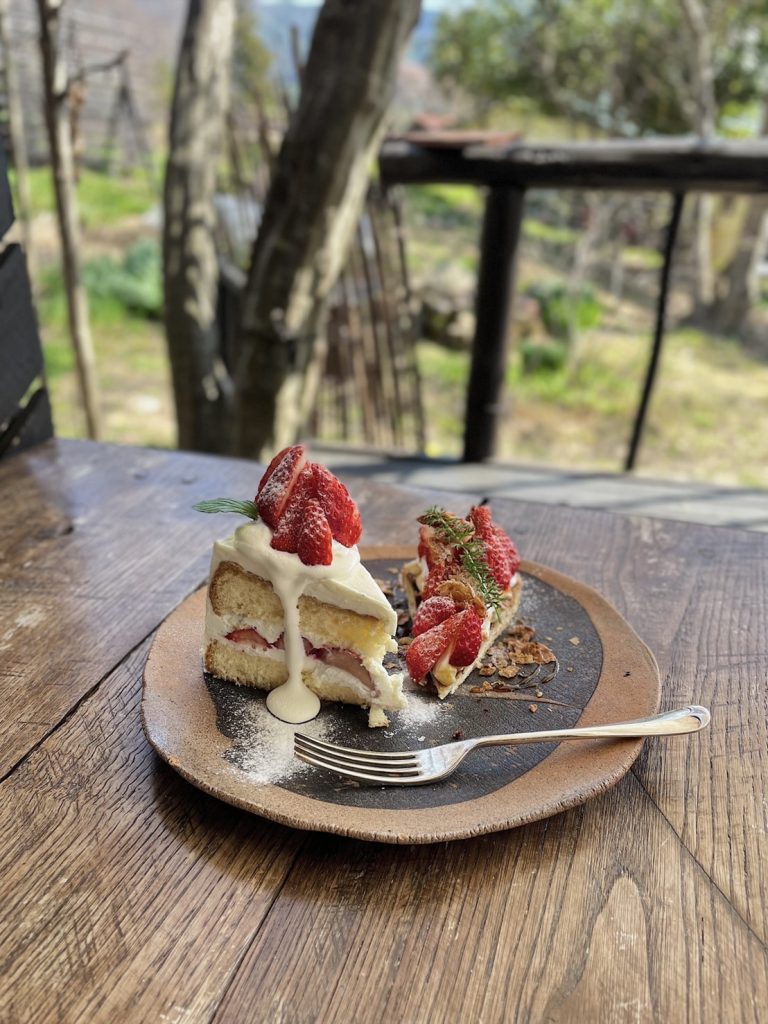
675,166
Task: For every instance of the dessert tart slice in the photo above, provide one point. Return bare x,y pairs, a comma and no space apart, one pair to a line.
290,607
463,591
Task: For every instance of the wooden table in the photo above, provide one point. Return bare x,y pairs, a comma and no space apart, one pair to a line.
127,895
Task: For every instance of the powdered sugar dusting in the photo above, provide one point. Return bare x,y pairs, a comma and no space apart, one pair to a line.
263,746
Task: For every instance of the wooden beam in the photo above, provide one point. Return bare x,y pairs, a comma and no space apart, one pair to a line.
669,165
495,291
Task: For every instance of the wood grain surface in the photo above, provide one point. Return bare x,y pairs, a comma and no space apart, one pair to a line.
128,895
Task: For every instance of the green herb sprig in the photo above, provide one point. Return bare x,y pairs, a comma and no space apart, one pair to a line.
461,535
242,508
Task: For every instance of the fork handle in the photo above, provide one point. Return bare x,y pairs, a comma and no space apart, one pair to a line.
669,723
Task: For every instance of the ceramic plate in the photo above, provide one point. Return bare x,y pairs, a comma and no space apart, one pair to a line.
222,739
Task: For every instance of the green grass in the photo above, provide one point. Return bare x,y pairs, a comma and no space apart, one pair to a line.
706,419
555,234
103,199
452,204
638,256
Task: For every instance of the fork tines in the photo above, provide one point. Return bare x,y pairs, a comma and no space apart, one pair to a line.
366,765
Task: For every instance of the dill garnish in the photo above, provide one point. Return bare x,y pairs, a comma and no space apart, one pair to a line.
460,534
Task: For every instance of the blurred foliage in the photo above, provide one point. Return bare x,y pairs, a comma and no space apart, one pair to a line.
564,311
251,60
116,290
621,67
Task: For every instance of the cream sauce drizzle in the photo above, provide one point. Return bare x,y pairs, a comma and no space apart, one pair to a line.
292,702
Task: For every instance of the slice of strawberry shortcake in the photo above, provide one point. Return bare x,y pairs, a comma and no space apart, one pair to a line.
290,607
463,590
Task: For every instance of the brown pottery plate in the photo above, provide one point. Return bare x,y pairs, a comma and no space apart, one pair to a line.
222,739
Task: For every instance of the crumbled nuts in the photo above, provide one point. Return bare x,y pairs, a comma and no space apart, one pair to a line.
501,688
523,633
487,670
574,640
569,668
405,641
509,672
476,689
533,708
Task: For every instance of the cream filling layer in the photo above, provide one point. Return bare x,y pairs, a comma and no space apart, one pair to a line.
387,692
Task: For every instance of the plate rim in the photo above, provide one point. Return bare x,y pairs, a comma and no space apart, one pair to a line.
566,777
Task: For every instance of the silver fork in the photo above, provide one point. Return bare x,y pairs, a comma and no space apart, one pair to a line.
416,767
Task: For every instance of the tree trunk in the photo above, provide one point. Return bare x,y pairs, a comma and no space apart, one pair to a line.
736,286
63,167
705,106
313,205
18,138
201,386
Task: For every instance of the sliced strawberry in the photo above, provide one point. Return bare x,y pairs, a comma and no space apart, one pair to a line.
249,636
480,515
497,557
469,637
431,613
341,511
286,535
437,575
501,554
425,549
276,459
427,649
315,545
512,553
278,483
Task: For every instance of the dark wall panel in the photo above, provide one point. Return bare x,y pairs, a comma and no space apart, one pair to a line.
21,358
6,206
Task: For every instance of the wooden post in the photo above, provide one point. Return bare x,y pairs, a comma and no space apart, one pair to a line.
63,169
16,127
658,335
495,290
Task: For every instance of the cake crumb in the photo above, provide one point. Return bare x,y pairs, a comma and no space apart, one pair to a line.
532,708
574,640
